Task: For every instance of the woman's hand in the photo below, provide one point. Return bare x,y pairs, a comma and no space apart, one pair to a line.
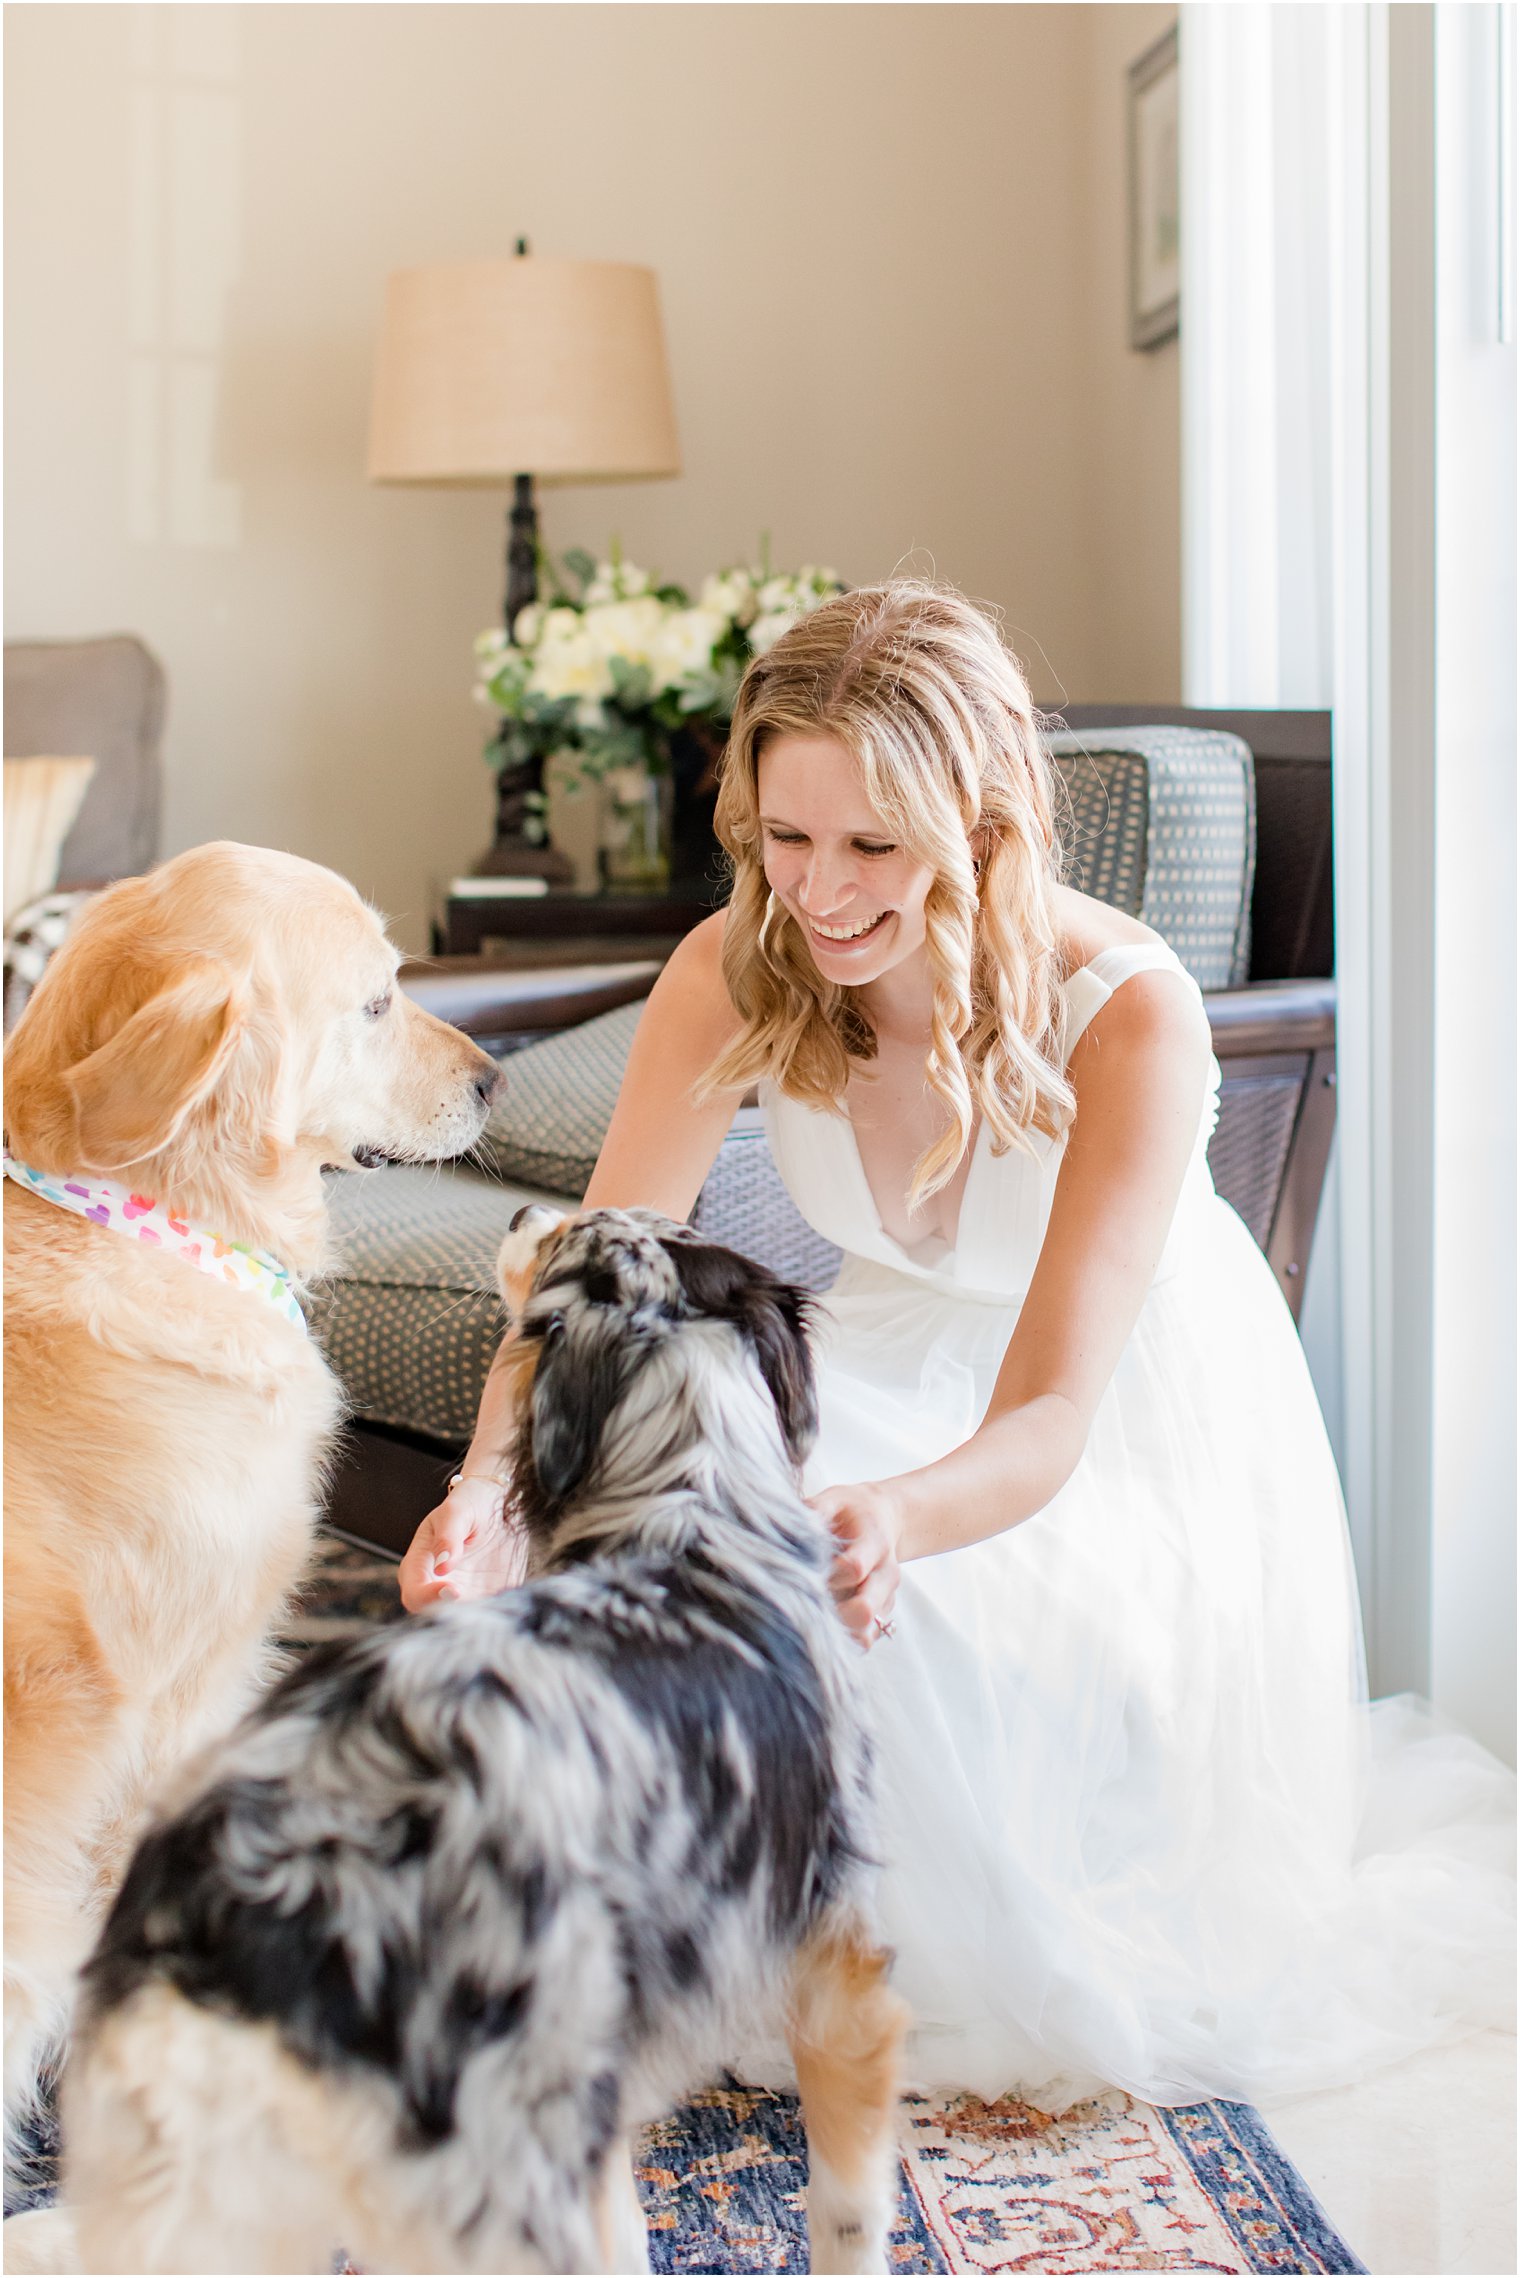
867,1525
464,1549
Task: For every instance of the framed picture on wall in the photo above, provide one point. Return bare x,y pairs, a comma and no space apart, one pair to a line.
1154,274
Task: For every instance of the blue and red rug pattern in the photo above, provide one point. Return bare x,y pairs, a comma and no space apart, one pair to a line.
1110,2185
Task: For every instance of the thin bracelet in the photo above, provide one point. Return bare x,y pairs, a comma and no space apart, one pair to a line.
482,1478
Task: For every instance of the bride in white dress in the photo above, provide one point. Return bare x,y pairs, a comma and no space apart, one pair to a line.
1140,1827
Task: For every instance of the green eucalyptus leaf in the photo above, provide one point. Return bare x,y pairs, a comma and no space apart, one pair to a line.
506,693
632,684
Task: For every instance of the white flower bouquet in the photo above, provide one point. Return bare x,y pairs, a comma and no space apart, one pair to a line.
611,666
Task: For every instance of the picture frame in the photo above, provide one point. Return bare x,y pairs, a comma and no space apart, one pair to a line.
1155,285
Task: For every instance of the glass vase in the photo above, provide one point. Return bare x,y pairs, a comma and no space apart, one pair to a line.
635,835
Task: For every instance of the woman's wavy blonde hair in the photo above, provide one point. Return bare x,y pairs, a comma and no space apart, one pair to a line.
916,683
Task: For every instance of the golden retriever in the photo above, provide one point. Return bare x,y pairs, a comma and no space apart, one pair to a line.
214,1035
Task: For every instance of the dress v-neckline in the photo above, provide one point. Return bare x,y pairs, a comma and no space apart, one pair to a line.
945,1262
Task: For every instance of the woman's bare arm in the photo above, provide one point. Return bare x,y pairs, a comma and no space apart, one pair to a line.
660,1144
658,1150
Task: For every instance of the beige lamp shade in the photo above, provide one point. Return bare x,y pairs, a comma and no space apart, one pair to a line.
491,369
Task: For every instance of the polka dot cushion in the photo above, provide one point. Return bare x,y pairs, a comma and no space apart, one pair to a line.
413,1318
1162,822
550,1121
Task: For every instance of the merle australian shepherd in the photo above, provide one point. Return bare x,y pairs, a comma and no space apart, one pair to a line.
407,1958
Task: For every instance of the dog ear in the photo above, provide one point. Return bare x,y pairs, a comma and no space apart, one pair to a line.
777,1326
127,1099
576,1387
522,1252
773,1316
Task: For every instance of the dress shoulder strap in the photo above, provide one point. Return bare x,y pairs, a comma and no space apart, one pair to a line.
1090,987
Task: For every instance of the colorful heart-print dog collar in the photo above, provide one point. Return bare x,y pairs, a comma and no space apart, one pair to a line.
140,1216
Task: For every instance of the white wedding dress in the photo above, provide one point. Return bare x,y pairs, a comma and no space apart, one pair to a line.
1139,1825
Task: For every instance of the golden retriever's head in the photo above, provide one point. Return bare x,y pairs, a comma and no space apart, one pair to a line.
221,1030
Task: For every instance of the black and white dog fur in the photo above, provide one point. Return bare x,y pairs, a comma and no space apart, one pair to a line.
465,1903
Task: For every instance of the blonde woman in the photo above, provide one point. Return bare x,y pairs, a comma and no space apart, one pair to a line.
1089,1525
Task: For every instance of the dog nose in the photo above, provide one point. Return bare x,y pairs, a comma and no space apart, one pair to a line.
488,1083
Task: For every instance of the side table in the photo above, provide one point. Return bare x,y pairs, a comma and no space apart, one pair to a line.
570,927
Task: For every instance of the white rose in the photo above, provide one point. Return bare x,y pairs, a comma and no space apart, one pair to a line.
567,664
527,624
766,631
777,593
489,647
505,670
616,581
730,594
626,629
685,644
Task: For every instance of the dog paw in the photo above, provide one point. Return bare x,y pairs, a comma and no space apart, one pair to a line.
843,2244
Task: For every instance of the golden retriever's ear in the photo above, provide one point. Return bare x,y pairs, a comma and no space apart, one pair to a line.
129,1098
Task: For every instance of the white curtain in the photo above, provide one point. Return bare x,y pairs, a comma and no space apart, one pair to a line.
1348,403
1266,139
1275,397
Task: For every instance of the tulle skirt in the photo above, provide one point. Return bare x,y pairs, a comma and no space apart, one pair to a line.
1139,1826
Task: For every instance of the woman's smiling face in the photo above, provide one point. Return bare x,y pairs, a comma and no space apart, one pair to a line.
856,894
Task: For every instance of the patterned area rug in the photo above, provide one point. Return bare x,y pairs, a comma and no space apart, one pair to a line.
1110,2185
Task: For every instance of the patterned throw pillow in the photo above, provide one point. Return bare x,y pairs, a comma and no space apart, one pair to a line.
30,940
547,1127
42,800
1161,822
1106,801
745,1205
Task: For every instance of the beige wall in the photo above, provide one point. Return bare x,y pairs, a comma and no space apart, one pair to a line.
1133,440
890,243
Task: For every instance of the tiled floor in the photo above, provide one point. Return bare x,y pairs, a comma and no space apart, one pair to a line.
1416,2167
